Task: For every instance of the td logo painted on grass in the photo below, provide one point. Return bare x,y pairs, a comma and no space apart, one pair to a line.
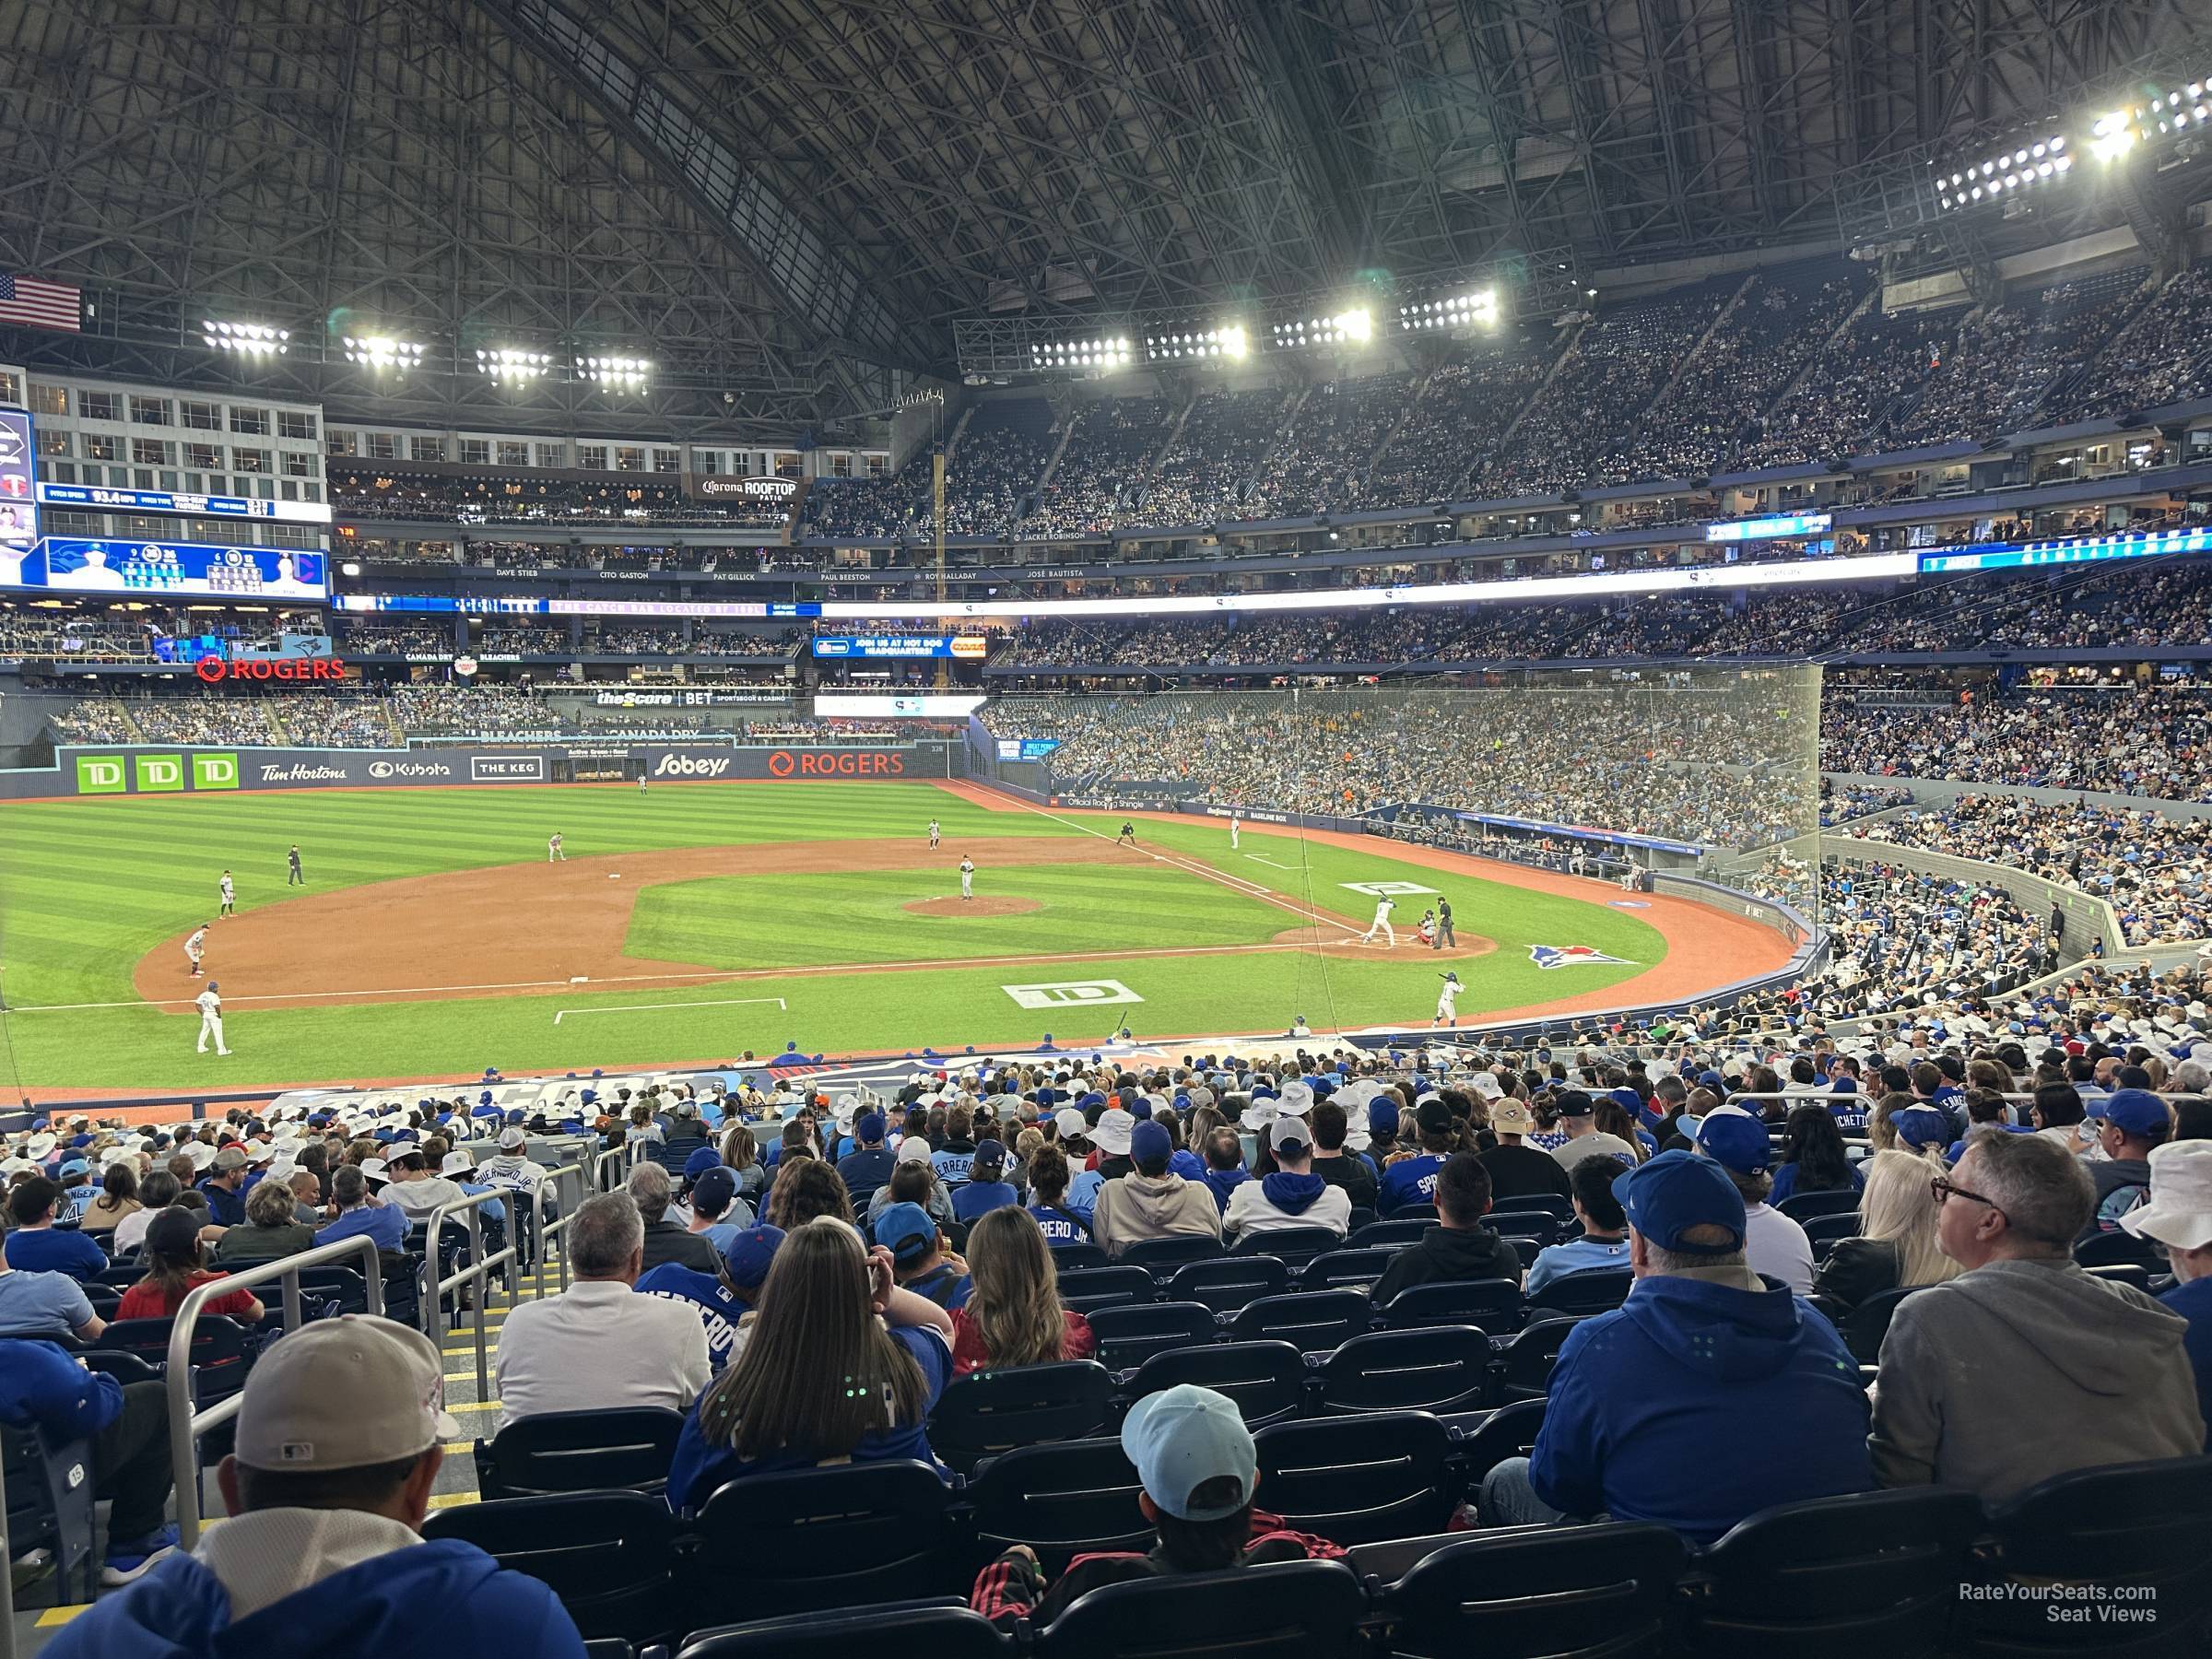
1068,993
1386,890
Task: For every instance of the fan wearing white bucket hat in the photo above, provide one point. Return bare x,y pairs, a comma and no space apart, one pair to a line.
2179,1215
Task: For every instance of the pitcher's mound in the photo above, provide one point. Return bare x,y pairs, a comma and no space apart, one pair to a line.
992,906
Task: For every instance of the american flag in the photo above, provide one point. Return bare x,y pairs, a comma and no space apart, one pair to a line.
34,304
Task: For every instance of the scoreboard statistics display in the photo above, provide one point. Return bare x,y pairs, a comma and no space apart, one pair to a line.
193,569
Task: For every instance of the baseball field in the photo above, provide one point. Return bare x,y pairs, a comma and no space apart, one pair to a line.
432,936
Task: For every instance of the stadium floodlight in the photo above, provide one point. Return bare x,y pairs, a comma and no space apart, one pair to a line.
248,339
616,374
1066,357
379,351
2021,167
1349,327
1177,345
510,364
1477,309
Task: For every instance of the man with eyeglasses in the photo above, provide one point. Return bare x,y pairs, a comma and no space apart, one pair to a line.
2025,1366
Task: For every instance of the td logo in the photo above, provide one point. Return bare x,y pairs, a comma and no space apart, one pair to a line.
99,774
214,771
159,774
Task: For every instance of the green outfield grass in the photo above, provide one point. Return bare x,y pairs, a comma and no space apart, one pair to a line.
92,886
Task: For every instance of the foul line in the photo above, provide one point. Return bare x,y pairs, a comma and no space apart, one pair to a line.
726,1002
1251,889
1262,858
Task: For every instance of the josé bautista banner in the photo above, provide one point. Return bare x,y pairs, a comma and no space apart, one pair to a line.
124,771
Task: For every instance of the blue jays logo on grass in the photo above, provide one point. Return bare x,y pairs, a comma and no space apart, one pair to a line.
1570,955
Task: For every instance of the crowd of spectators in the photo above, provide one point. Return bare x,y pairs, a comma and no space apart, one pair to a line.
441,709
2137,740
1322,463
1202,473
371,635
1461,413
395,494
1589,410
2154,870
27,633
994,470
1103,467
206,719
95,720
2162,358
1853,382
1903,940
348,722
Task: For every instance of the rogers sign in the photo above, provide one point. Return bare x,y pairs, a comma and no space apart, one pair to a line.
214,671
835,763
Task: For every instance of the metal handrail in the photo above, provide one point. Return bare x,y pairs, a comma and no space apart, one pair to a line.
476,1271
185,1425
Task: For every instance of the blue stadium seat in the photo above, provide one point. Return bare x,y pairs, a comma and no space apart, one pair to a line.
1266,1379
988,1412
611,1556
1357,1479
822,1540
1315,1320
1835,1578
1437,1369
50,1484
1285,1610
1523,1368
1596,1592
1079,1254
602,1450
1087,1289
1490,1305
1387,1235
1831,1229
1128,1336
1067,1499
1228,1283
1864,1327
2114,1249
944,1629
1518,1223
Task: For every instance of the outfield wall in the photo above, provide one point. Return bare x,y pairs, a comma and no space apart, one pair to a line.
121,770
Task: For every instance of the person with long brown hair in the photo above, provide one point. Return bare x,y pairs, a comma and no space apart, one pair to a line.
1013,1314
175,1269
835,1365
804,1188
118,1197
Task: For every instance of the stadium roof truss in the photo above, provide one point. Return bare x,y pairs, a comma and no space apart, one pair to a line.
787,205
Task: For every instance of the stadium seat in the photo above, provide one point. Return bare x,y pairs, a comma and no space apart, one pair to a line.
1421,1212
1128,1336
49,1484
2132,1274
1596,1592
1284,1610
1162,1256
1070,1257
604,1449
1067,1499
1436,1368
1864,1327
1517,1223
126,1368
611,1556
1491,1305
221,1355
1804,1206
1293,1246
1387,1235
1828,1229
1316,1321
944,1629
1835,1578
1266,1379
2115,1248
1362,1216
822,1540
1550,1204
1523,1369
1510,1431
1357,1479
1593,1290
2136,1529
988,1412
1336,1269
1087,1289
1228,1283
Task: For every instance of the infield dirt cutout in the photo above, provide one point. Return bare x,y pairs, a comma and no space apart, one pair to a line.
529,928
990,904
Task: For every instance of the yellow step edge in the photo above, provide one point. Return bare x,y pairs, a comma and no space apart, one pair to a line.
455,1499
53,1617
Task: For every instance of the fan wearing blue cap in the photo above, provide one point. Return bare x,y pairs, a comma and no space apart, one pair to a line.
987,1188
1647,1403
1152,1201
2134,1123
1198,1472
725,1296
920,1260
868,1166
1774,1244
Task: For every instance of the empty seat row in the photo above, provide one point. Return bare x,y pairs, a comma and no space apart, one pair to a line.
1229,1285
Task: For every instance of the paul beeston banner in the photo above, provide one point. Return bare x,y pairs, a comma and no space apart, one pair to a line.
118,771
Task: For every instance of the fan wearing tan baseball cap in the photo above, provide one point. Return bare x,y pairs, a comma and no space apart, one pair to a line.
340,1437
